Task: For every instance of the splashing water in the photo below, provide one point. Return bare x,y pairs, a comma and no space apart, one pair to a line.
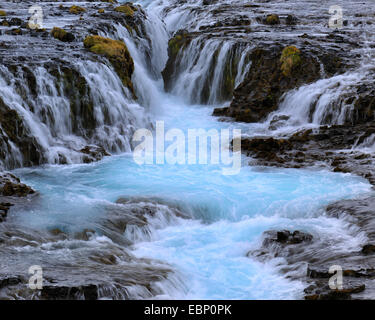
227,214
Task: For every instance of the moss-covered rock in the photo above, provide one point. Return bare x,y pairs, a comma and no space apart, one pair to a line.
290,58
176,43
180,41
62,35
273,72
101,10
126,9
117,53
2,13
272,19
76,9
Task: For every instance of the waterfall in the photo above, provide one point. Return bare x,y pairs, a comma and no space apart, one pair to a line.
78,102
106,115
208,70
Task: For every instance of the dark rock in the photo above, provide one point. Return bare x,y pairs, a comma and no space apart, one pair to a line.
291,20
331,295
9,281
86,292
62,35
368,249
286,237
93,153
272,19
269,78
11,186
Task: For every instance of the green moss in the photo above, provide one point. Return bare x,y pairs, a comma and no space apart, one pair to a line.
117,53
2,13
126,9
272,19
175,44
76,9
290,58
106,46
61,34
58,33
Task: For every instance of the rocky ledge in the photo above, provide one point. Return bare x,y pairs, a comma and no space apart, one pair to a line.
11,193
50,106
305,257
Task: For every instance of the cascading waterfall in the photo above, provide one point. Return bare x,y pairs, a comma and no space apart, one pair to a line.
165,231
322,102
48,119
208,70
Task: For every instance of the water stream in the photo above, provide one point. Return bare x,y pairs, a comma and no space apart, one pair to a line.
227,215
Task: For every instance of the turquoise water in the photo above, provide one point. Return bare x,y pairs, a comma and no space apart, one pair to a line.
229,213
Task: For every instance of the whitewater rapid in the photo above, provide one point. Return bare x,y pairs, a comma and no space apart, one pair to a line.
227,214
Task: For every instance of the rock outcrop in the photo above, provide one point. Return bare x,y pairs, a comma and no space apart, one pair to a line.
117,53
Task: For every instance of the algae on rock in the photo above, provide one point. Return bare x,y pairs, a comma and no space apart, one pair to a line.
118,55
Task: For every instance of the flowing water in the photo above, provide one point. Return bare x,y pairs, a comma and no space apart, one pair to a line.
220,218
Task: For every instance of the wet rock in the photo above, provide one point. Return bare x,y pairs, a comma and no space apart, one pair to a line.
62,35
64,66
273,72
319,147
127,9
11,189
10,186
291,20
287,237
321,291
6,281
278,121
15,22
86,292
93,153
117,53
290,59
179,42
368,249
272,19
331,295
76,9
